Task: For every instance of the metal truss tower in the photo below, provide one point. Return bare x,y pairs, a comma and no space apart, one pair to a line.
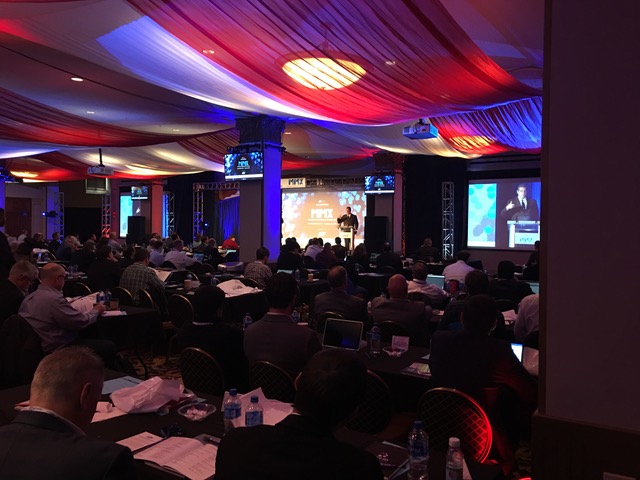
447,220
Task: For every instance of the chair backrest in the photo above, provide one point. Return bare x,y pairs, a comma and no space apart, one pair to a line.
419,297
167,264
201,372
275,382
145,300
123,295
390,328
504,305
323,274
249,282
387,269
447,412
374,413
321,320
180,310
78,289
20,351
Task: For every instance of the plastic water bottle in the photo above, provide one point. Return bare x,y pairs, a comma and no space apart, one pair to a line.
232,410
455,460
187,281
107,298
295,316
99,298
374,340
418,452
253,415
246,321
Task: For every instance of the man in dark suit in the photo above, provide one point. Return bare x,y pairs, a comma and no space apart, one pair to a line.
389,259
14,289
339,250
329,390
289,259
105,272
275,338
339,301
349,220
223,340
507,286
46,440
414,316
6,257
521,207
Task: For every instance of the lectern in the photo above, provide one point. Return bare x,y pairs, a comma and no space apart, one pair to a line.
523,232
346,234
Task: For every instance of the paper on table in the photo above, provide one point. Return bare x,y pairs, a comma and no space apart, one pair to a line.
509,316
105,411
187,456
111,386
84,304
139,441
273,410
113,313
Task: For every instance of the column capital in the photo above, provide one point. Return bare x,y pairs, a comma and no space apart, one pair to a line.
261,128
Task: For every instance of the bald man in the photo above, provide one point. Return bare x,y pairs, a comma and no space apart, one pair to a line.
414,316
47,439
55,320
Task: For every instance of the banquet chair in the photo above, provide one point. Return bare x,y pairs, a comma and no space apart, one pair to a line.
201,372
446,413
78,289
145,300
419,297
123,295
275,382
376,410
321,320
387,270
504,305
390,328
167,264
20,352
249,282
323,274
180,313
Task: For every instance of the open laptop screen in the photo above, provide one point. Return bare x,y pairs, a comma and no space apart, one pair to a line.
340,333
437,280
517,349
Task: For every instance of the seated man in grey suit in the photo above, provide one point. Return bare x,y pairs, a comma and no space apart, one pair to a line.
329,390
339,301
46,439
414,316
275,338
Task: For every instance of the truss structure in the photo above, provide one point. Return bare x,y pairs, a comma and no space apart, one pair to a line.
169,217
58,205
198,201
106,215
447,220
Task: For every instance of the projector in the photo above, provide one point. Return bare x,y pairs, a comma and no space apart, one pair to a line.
100,171
420,131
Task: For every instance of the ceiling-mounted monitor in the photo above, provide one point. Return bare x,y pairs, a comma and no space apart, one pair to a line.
243,166
379,184
140,192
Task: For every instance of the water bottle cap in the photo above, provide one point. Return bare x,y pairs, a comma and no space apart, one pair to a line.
233,392
254,399
454,442
418,424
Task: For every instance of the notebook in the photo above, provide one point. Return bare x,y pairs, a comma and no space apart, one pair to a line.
517,349
340,333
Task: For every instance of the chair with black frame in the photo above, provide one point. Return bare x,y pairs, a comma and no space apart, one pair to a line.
390,328
323,274
321,320
504,305
166,264
77,289
308,262
419,297
123,295
446,413
145,300
180,313
275,382
20,352
249,283
375,412
387,270
304,273
201,372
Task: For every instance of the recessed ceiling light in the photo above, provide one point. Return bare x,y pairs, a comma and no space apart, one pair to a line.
323,73
91,112
77,79
208,52
175,130
287,133
390,63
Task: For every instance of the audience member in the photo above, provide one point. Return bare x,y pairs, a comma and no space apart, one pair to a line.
179,257
329,390
55,242
339,301
259,271
47,439
114,243
389,259
105,272
413,316
532,268
289,259
156,254
419,283
24,234
459,269
126,256
359,259
85,256
65,251
201,247
528,318
506,285
326,258
427,252
230,243
211,254
55,320
222,340
14,289
313,249
38,241
139,276
339,250
275,338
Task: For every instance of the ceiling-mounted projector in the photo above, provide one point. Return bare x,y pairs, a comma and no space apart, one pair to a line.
420,131
100,170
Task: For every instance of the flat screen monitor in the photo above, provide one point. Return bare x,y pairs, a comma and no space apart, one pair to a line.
379,184
243,166
140,192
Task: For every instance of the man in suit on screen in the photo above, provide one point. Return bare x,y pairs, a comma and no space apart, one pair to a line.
521,207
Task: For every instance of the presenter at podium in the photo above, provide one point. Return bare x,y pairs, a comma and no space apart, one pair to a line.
521,207
348,221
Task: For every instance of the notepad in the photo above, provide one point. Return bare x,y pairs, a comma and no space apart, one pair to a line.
187,456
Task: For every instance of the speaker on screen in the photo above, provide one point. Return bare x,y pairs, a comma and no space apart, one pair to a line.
375,233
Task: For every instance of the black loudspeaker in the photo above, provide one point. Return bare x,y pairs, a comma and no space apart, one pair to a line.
136,230
375,233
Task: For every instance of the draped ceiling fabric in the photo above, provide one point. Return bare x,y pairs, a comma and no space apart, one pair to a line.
226,57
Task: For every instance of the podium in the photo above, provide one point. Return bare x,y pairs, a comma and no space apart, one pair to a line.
346,234
523,232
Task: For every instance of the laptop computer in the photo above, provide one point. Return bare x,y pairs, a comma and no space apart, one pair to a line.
437,280
517,349
198,257
340,333
535,286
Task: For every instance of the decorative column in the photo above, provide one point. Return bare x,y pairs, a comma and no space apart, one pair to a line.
392,206
261,200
